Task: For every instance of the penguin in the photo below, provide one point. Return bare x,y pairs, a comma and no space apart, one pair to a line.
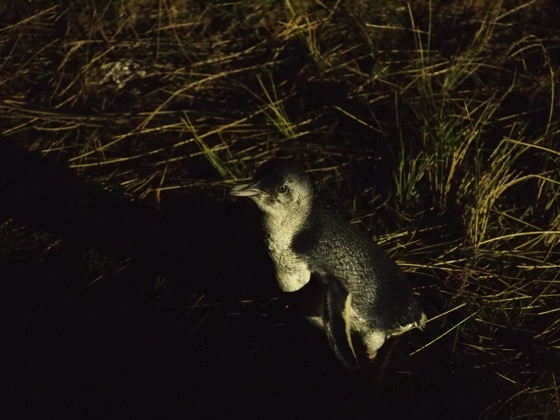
366,298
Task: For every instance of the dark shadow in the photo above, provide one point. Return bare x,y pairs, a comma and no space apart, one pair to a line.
221,342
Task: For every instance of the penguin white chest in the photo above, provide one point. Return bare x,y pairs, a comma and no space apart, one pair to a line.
292,272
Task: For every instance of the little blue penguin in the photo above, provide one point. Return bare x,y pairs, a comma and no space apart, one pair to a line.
366,297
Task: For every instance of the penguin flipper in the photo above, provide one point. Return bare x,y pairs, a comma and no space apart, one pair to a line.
336,319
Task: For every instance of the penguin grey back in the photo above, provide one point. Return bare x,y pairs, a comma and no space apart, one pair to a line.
381,292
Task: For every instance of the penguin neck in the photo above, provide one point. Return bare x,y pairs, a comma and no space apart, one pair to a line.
281,228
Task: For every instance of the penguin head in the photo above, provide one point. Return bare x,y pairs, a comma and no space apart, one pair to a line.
279,188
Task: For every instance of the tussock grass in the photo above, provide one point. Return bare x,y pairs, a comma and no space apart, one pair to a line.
435,121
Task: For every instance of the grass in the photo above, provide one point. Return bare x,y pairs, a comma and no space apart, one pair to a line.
433,124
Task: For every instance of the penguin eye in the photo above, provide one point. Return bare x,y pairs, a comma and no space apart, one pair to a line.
282,189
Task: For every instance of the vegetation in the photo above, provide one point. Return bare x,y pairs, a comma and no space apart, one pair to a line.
434,124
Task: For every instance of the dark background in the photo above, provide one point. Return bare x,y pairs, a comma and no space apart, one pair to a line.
216,339
132,285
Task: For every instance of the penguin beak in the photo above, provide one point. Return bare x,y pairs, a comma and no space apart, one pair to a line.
245,190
